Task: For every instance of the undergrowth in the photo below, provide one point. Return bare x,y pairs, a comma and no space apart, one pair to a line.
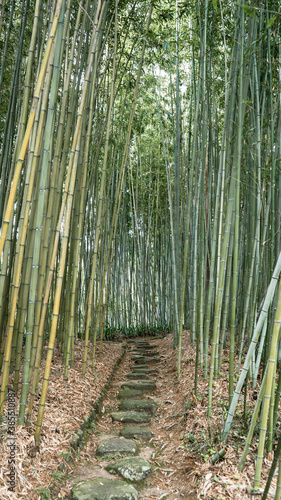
118,333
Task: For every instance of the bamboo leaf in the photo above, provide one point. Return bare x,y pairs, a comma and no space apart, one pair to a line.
248,10
215,4
270,22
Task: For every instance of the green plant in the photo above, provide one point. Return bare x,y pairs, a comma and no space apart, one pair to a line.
142,330
57,475
44,493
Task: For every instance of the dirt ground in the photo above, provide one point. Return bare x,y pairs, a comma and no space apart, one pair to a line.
183,439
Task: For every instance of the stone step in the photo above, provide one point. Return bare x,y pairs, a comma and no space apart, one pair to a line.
144,353
136,431
136,376
142,385
143,346
132,469
140,360
104,489
138,405
148,371
138,348
147,347
121,445
134,417
129,393
141,341
139,366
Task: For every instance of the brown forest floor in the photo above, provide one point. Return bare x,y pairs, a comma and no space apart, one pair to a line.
68,402
183,440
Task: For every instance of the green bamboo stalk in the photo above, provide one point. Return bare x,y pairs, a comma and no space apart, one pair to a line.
276,460
253,423
226,298
20,159
165,144
257,331
18,272
270,380
68,197
36,253
233,320
278,485
43,184
99,218
220,289
6,150
82,203
53,330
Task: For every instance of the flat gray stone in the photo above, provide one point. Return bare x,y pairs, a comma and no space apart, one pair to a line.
129,393
117,445
137,367
147,371
104,489
136,431
141,360
135,417
142,348
142,385
141,344
138,405
146,352
133,469
136,376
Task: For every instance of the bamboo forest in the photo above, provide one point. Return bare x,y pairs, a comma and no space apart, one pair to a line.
140,249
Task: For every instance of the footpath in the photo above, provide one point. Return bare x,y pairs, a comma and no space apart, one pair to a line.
126,455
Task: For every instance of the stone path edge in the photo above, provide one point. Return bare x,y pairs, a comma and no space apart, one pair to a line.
93,416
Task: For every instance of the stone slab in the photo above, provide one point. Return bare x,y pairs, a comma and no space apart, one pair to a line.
142,385
147,371
140,360
139,348
133,469
136,431
145,352
136,376
138,405
129,393
90,470
117,445
104,489
141,366
134,417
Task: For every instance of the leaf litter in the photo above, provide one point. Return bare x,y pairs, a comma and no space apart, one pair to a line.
183,441
68,403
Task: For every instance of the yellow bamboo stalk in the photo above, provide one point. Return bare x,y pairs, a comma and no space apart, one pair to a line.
23,149
20,255
73,162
